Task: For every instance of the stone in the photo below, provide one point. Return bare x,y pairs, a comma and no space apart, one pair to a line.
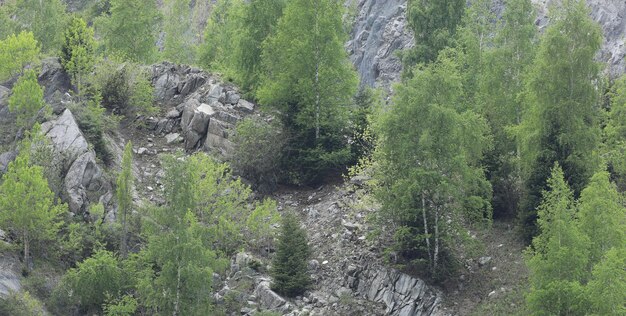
244,106
142,150
84,175
482,261
53,78
5,159
66,137
313,265
172,114
268,299
360,180
192,83
352,227
173,138
166,86
10,268
232,97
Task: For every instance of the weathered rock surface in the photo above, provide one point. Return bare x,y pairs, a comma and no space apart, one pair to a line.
379,31
5,160
53,78
72,151
206,110
10,280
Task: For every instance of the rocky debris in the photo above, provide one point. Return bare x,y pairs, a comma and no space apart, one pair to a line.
172,114
379,31
53,78
173,138
73,153
268,299
10,280
244,106
483,261
172,83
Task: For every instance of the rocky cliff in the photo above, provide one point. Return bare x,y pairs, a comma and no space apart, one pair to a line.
380,30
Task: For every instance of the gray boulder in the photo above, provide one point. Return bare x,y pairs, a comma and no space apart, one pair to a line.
268,299
53,78
10,280
195,123
72,151
166,86
5,160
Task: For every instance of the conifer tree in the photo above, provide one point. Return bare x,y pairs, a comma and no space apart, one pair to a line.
77,51
311,82
560,123
27,206
290,264
606,291
26,99
124,196
602,216
559,255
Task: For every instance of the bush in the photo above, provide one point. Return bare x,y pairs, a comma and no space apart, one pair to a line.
21,304
93,122
124,87
258,153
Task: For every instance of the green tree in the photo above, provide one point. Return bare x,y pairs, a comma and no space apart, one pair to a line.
179,37
45,19
221,38
27,205
131,29
607,289
124,195
498,100
16,52
178,264
429,173
26,99
434,23
558,257
259,21
290,265
95,280
602,216
77,51
311,82
560,123
614,132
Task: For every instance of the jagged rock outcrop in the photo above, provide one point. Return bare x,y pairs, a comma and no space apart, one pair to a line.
53,78
205,111
83,176
402,294
380,30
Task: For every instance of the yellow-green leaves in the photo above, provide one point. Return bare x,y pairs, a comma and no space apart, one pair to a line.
16,52
26,99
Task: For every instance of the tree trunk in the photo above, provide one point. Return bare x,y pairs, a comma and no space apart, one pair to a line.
317,73
26,250
436,253
426,227
177,302
123,245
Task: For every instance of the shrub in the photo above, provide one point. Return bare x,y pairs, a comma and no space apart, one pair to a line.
258,153
124,87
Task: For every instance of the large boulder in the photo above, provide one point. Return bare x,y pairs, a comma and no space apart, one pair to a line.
53,78
5,159
195,122
72,151
10,280
268,299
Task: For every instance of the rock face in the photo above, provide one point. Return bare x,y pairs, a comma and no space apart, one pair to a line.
402,294
380,30
9,275
610,14
53,78
83,176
